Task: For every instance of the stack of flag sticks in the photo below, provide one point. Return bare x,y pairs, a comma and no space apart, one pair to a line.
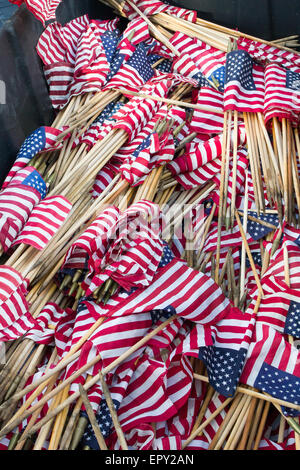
150,241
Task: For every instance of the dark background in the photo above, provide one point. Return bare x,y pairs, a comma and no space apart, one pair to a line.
27,103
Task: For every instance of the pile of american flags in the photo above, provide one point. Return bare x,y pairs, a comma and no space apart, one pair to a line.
150,241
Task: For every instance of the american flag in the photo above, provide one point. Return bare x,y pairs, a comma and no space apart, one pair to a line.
244,88
152,153
265,54
272,366
173,285
198,60
150,8
131,251
208,123
19,327
17,202
257,230
81,249
13,289
43,10
199,154
135,115
41,140
134,73
44,221
223,348
200,176
76,57
138,31
282,94
46,323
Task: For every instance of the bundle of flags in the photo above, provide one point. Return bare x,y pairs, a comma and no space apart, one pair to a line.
165,311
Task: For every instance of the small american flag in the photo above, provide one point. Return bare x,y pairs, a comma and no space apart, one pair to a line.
44,221
41,140
17,202
257,230
272,366
13,289
208,123
244,88
282,95
43,10
267,54
46,323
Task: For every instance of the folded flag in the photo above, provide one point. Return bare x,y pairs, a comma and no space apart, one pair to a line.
153,7
44,10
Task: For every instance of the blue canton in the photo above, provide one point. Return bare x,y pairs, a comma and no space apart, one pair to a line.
145,144
292,323
34,180
281,385
110,40
165,66
167,256
292,80
108,112
224,367
239,66
139,61
258,231
164,313
34,144
104,421
219,75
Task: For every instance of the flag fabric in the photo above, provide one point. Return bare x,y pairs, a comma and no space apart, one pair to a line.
133,73
46,323
13,303
41,140
282,94
131,251
199,61
44,10
17,202
272,366
245,88
199,154
222,347
171,284
81,249
135,115
44,221
204,122
266,54
76,57
257,230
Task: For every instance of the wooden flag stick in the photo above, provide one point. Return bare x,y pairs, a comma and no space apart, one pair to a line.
20,415
238,426
155,32
234,171
257,280
92,418
206,423
243,443
113,413
184,104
